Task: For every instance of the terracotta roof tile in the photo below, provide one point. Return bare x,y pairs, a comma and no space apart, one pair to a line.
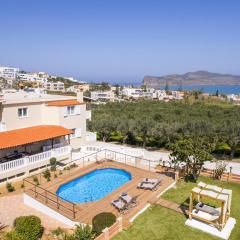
63,103
22,136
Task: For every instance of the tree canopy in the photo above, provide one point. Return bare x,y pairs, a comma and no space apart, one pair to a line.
159,124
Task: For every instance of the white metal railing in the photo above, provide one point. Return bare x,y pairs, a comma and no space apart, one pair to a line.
123,150
36,158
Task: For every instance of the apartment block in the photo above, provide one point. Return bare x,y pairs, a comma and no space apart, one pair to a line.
54,86
9,72
106,96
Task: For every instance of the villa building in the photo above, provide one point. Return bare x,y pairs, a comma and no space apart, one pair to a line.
31,77
132,92
54,86
103,96
9,72
35,127
79,87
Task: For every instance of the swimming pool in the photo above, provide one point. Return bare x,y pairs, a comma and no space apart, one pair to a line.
94,185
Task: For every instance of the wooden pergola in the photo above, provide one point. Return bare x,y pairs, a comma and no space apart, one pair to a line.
200,208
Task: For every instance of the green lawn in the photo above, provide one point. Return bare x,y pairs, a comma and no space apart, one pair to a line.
160,223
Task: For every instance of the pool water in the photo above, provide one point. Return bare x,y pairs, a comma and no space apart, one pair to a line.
94,185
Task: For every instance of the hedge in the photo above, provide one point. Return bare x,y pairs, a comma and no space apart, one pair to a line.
28,227
103,220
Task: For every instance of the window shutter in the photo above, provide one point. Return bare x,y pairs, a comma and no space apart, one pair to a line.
78,132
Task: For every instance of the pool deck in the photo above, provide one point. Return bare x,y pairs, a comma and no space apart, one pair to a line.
86,211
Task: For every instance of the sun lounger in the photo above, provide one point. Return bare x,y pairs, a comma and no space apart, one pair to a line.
208,209
126,198
152,180
148,186
130,201
119,204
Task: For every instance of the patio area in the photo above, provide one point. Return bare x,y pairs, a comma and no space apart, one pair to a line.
86,211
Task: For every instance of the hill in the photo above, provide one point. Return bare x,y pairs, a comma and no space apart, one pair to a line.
192,78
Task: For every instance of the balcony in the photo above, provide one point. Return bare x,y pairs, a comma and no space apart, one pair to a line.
27,163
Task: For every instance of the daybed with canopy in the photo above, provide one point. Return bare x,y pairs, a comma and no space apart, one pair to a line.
199,207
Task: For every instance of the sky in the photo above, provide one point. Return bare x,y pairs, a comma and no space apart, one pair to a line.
120,41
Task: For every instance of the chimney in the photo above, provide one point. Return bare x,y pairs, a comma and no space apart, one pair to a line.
80,96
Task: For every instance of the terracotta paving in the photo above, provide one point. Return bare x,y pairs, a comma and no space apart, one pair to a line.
13,206
85,212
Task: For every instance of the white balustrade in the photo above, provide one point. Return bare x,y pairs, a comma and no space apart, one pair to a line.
123,150
56,152
36,158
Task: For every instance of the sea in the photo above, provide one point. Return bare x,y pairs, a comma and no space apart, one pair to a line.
222,89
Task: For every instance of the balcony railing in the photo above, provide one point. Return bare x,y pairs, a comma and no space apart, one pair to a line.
33,159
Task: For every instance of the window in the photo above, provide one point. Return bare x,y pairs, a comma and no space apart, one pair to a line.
22,112
73,134
76,133
70,110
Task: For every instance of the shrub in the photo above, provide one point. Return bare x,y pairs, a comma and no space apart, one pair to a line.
73,165
83,233
103,220
237,153
28,227
80,233
116,136
219,170
10,187
12,236
53,163
223,148
47,175
35,179
59,233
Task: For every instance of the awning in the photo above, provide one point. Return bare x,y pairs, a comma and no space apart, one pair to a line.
23,136
63,103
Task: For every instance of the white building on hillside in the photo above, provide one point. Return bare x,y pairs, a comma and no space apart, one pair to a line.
106,96
161,94
177,95
31,77
78,87
132,92
54,86
9,72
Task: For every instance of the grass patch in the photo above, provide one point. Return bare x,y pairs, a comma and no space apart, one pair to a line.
160,223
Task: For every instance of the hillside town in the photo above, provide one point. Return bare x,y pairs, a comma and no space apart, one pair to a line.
14,79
